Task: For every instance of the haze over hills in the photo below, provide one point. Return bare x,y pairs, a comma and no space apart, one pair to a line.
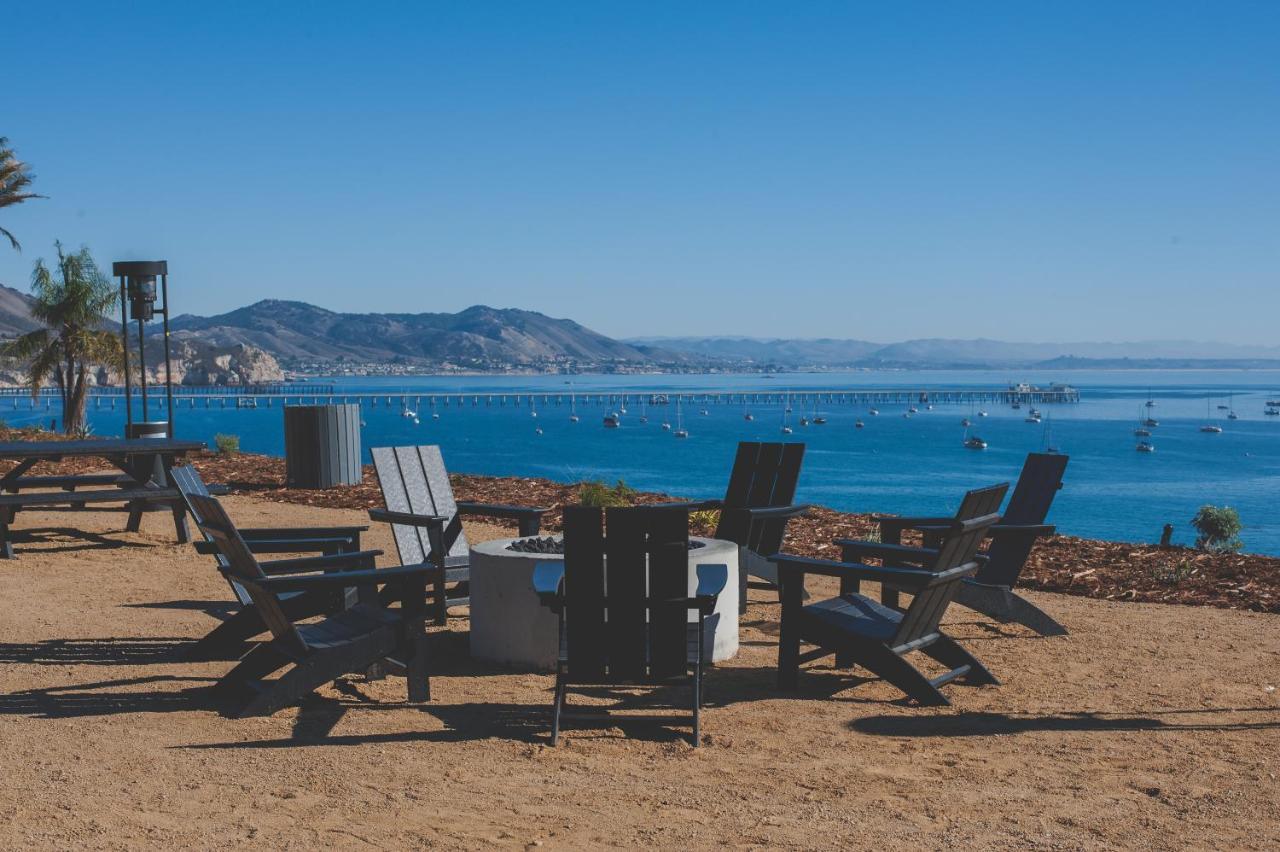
784,353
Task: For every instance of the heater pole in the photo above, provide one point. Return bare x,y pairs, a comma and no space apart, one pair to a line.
128,381
168,376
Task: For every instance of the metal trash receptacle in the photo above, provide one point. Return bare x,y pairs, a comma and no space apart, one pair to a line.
322,445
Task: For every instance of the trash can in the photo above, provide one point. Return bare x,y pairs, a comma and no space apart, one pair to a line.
151,429
322,445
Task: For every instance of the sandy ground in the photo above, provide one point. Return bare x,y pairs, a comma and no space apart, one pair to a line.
1149,727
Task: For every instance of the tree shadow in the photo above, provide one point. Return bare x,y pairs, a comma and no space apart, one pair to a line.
95,652
982,724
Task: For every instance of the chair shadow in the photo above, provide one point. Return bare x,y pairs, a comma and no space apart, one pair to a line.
52,540
109,698
983,724
95,652
221,610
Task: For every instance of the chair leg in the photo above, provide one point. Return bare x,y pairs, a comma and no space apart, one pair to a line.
950,653
897,671
556,707
1003,604
416,670
697,683
180,522
255,665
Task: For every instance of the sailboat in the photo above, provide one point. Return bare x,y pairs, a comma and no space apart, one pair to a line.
680,431
1151,403
874,412
1212,428
973,442
644,412
573,409
1145,447
858,424
1048,436
746,411
1231,407
818,419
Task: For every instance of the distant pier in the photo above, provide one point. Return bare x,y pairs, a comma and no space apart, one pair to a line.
276,395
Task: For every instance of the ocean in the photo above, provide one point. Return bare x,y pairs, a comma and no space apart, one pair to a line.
894,464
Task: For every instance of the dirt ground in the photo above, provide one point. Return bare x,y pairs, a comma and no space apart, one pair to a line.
1150,726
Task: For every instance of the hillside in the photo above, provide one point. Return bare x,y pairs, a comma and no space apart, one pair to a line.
479,337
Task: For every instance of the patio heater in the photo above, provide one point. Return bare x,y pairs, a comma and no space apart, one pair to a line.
139,302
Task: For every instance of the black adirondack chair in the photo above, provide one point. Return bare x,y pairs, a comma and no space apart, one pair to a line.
756,507
427,521
861,631
333,544
366,637
990,591
624,602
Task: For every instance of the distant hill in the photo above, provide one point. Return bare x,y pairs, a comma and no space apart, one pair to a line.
15,312
944,353
479,337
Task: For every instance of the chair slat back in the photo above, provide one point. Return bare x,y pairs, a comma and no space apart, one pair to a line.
414,479
764,475
955,561
1039,483
241,564
625,613
190,484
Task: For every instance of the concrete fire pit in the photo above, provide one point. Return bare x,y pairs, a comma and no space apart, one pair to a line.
509,625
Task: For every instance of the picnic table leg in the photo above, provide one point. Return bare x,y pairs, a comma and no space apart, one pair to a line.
135,516
6,546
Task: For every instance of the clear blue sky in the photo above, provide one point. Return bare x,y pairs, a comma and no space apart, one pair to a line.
1047,171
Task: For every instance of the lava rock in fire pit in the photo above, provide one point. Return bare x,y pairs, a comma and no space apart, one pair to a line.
549,545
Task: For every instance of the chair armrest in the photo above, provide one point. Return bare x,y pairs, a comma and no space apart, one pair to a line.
1022,529
284,545
548,583
408,518
711,582
882,550
337,562
912,577
762,513
260,533
342,579
691,505
529,518
908,523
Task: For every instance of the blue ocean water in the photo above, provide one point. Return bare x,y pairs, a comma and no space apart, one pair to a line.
894,464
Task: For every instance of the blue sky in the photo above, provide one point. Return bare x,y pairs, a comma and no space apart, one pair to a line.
1026,171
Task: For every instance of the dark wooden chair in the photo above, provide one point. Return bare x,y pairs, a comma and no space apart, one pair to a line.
756,507
334,546
624,603
366,637
861,631
426,520
990,591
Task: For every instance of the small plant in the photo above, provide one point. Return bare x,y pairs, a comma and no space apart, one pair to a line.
1219,528
601,496
228,445
1172,575
704,521
82,432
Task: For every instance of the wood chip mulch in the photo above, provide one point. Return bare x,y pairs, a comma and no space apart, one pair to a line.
1077,566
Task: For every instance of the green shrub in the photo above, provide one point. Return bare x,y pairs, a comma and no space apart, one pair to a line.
228,445
601,496
1219,528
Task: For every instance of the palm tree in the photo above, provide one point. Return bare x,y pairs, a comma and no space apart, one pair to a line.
14,178
72,307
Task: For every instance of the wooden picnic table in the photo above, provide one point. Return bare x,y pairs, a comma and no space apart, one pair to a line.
143,480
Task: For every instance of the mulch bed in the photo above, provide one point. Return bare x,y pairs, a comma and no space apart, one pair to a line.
1077,566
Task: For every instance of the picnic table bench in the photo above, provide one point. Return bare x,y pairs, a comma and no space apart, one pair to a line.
142,483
